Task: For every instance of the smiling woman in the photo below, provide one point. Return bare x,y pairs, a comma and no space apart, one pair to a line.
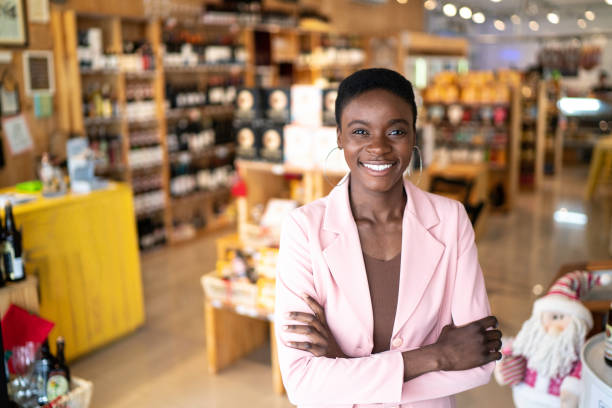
380,297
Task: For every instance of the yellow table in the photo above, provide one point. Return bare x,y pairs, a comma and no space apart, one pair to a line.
601,165
84,251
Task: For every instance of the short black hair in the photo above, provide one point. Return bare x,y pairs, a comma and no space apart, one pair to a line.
369,79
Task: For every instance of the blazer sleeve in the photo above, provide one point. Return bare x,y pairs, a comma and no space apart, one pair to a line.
311,380
469,303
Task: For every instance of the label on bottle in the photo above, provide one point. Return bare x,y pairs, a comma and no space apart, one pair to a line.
57,385
608,344
17,272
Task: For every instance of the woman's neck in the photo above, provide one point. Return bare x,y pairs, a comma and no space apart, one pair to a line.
377,206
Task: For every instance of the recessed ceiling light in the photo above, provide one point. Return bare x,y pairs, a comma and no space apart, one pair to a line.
499,25
402,1
590,15
465,12
478,18
609,2
582,23
450,10
432,4
534,25
553,18
499,1
516,19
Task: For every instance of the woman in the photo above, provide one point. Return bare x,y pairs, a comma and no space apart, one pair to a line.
380,298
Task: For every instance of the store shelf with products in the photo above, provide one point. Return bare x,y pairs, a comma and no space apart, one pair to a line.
477,120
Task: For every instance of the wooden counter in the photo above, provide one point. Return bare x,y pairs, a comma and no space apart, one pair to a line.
83,250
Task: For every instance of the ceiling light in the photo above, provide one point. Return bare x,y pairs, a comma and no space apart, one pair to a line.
534,26
589,15
402,1
478,18
465,12
582,23
609,2
499,25
516,19
499,1
449,10
553,18
432,4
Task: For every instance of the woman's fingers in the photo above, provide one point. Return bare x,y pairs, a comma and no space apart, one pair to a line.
312,348
312,333
492,335
308,319
315,307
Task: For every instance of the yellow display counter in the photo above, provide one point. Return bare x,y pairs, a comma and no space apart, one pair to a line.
83,250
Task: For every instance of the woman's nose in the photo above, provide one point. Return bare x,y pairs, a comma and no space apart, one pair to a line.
378,144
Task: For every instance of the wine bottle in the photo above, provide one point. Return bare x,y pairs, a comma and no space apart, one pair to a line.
42,367
608,341
11,255
58,381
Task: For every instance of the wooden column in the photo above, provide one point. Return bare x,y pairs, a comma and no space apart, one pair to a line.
73,74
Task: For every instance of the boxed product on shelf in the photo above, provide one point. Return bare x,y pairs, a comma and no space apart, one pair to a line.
218,54
247,141
329,106
298,146
271,143
278,105
306,105
239,292
248,104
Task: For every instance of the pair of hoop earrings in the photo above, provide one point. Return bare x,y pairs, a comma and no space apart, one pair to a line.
345,178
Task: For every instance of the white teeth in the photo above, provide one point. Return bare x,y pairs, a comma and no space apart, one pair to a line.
377,167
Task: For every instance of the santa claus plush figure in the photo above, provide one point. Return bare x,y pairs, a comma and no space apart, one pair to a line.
542,364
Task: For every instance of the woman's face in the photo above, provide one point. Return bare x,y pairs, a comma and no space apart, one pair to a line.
377,135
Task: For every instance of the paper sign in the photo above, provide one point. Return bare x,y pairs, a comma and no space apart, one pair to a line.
38,11
17,134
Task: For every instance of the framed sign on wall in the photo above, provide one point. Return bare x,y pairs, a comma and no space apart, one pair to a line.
13,23
38,72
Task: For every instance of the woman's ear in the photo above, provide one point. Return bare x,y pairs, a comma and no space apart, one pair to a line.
338,138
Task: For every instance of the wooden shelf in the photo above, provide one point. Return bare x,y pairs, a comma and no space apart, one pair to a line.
207,110
102,121
230,68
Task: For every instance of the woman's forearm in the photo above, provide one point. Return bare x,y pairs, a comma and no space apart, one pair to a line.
420,361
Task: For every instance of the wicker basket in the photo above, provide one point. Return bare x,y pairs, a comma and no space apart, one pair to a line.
78,397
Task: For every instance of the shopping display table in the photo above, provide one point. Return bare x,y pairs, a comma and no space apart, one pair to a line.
233,331
596,375
83,250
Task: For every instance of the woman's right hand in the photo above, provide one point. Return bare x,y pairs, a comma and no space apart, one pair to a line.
469,346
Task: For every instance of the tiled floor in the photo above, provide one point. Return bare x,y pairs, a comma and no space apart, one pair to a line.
164,363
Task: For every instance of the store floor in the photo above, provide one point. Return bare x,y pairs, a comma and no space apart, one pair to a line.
164,363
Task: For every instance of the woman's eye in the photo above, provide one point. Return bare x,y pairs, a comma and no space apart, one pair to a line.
397,132
360,132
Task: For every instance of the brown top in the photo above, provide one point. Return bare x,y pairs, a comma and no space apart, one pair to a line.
383,280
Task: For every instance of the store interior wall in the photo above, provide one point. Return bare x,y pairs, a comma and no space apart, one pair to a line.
43,131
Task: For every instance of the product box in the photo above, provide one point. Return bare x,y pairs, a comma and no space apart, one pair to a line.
247,141
306,105
298,146
271,143
329,106
277,104
248,104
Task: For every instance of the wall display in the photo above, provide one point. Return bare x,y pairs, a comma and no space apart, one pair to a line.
9,95
38,72
38,11
17,134
13,27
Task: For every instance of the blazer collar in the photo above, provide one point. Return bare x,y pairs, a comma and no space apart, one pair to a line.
338,214
421,253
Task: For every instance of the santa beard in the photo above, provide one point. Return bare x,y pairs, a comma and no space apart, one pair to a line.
550,356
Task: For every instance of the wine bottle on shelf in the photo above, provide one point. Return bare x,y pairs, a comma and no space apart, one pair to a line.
11,255
58,380
42,367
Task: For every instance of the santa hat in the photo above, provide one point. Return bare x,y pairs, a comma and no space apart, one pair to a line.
564,295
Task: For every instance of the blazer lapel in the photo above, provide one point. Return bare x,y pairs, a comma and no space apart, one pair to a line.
344,256
421,253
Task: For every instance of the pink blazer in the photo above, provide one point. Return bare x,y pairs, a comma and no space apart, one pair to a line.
440,282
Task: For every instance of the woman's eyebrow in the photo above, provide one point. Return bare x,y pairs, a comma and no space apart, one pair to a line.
358,121
396,121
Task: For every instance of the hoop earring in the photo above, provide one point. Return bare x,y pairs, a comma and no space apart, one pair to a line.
344,179
409,170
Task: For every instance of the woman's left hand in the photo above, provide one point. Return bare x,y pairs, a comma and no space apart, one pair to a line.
321,342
